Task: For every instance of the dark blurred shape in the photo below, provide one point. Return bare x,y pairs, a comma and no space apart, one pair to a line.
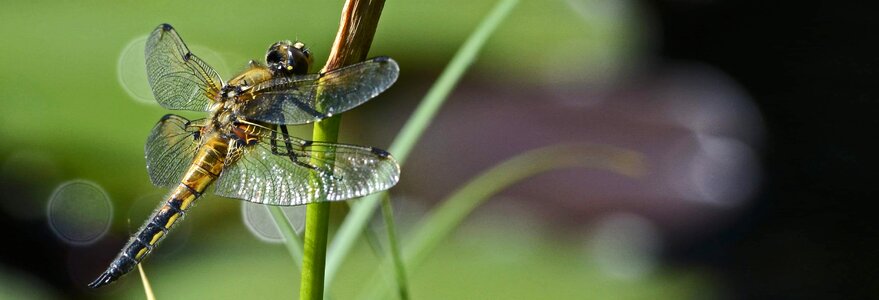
811,68
31,175
30,246
699,132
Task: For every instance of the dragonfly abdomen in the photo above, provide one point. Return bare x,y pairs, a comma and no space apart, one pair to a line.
205,168
150,234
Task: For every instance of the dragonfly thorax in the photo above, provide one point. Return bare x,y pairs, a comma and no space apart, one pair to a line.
242,83
223,118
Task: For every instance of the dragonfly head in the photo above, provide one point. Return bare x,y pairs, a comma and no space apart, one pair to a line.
289,58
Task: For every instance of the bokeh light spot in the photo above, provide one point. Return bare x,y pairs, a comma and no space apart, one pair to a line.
131,68
79,212
131,71
258,220
714,170
625,245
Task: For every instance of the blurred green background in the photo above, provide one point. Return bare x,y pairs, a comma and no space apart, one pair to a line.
68,113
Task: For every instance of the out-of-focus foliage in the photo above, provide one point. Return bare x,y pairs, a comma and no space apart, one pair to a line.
467,266
64,115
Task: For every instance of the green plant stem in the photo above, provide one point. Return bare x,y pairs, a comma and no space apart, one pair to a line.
356,29
291,240
362,211
313,260
317,216
399,268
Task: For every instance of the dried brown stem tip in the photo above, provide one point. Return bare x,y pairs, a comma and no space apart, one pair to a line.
356,30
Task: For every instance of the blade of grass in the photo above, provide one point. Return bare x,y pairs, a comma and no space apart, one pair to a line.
371,237
439,92
374,244
291,240
356,29
441,221
399,268
437,225
147,288
363,210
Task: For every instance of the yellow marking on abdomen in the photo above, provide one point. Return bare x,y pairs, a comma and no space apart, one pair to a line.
157,237
171,220
140,253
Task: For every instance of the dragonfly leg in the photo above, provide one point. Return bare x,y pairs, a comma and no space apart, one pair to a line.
290,153
288,144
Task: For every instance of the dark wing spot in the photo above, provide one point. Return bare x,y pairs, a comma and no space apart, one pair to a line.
381,153
381,59
187,56
167,27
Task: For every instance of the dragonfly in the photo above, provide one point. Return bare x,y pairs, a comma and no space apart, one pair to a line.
244,147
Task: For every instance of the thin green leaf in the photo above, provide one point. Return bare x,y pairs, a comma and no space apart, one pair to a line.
439,92
442,220
291,240
372,240
399,267
362,211
437,225
371,237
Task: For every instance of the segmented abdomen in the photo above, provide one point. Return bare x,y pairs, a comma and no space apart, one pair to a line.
205,168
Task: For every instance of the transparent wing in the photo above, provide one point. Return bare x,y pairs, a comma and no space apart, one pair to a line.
281,171
170,149
308,98
179,79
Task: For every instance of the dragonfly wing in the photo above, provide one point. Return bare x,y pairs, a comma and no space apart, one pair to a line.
170,149
308,98
179,79
282,170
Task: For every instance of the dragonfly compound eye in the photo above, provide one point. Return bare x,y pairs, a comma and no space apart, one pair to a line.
288,58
